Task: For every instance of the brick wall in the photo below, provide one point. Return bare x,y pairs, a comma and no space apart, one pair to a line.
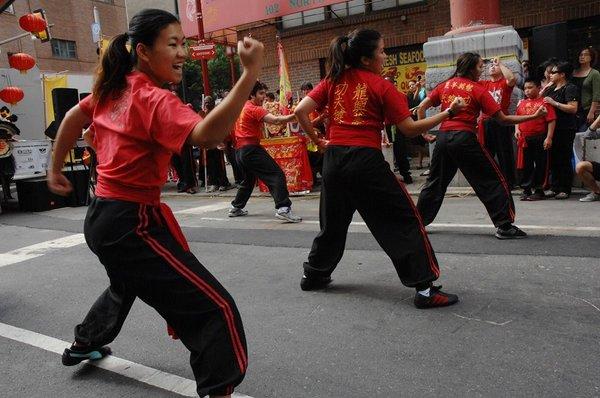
72,20
305,46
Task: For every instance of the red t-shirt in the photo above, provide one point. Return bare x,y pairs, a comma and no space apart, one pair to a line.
359,104
500,92
249,126
135,136
476,97
537,126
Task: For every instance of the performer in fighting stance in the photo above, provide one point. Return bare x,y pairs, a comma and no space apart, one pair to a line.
355,174
138,126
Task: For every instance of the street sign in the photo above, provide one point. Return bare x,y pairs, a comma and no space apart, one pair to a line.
204,50
96,32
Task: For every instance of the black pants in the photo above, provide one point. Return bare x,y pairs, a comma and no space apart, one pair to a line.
316,164
561,165
460,150
143,259
400,151
535,162
499,143
257,163
238,173
358,178
215,163
185,165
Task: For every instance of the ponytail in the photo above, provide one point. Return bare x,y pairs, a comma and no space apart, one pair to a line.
337,57
115,65
347,51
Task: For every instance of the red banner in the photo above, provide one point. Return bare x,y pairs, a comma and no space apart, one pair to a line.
291,155
222,14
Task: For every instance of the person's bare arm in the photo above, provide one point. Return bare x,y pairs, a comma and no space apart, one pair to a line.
511,80
211,131
550,135
505,119
411,128
569,107
68,133
281,119
302,112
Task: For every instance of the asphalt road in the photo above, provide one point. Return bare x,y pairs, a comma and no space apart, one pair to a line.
528,323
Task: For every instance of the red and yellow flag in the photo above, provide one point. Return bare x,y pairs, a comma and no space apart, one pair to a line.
285,87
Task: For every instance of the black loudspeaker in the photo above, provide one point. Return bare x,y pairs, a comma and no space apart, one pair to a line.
63,99
34,195
83,95
549,41
80,181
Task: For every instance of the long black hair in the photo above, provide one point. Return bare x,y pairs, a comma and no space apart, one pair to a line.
348,50
117,61
465,64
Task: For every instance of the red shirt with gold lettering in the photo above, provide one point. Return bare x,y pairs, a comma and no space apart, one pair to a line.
537,126
249,126
476,97
135,137
359,103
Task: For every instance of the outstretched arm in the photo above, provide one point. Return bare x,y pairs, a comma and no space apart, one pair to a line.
302,112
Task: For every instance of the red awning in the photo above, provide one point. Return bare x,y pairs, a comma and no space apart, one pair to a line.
223,14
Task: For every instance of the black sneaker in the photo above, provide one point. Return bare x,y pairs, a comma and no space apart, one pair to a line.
436,298
314,282
512,232
74,355
526,195
407,179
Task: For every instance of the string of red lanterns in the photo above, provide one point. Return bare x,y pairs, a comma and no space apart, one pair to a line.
32,23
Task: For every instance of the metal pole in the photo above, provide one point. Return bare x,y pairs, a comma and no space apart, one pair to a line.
203,63
97,20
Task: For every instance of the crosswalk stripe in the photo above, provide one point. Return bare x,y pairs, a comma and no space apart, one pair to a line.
39,249
144,374
205,209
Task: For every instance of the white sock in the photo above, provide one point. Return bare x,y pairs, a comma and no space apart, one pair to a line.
425,292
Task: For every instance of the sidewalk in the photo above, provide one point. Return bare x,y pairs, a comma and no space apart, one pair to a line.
170,189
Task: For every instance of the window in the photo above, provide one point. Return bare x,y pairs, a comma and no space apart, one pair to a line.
303,18
349,8
383,4
64,49
106,1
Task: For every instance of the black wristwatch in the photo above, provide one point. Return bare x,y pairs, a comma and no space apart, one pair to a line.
450,113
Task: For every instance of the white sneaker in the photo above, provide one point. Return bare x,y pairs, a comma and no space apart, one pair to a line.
285,213
590,197
237,212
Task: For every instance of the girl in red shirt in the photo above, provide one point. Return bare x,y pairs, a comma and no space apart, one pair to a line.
457,147
355,174
138,126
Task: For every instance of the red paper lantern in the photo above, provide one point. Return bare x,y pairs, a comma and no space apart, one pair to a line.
11,95
32,23
22,62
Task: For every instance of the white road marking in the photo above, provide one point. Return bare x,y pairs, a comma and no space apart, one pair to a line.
39,249
205,209
549,228
154,377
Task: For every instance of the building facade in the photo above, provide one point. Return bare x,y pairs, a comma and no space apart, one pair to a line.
407,24
71,48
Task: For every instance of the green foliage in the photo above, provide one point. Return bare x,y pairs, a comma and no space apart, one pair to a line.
218,72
